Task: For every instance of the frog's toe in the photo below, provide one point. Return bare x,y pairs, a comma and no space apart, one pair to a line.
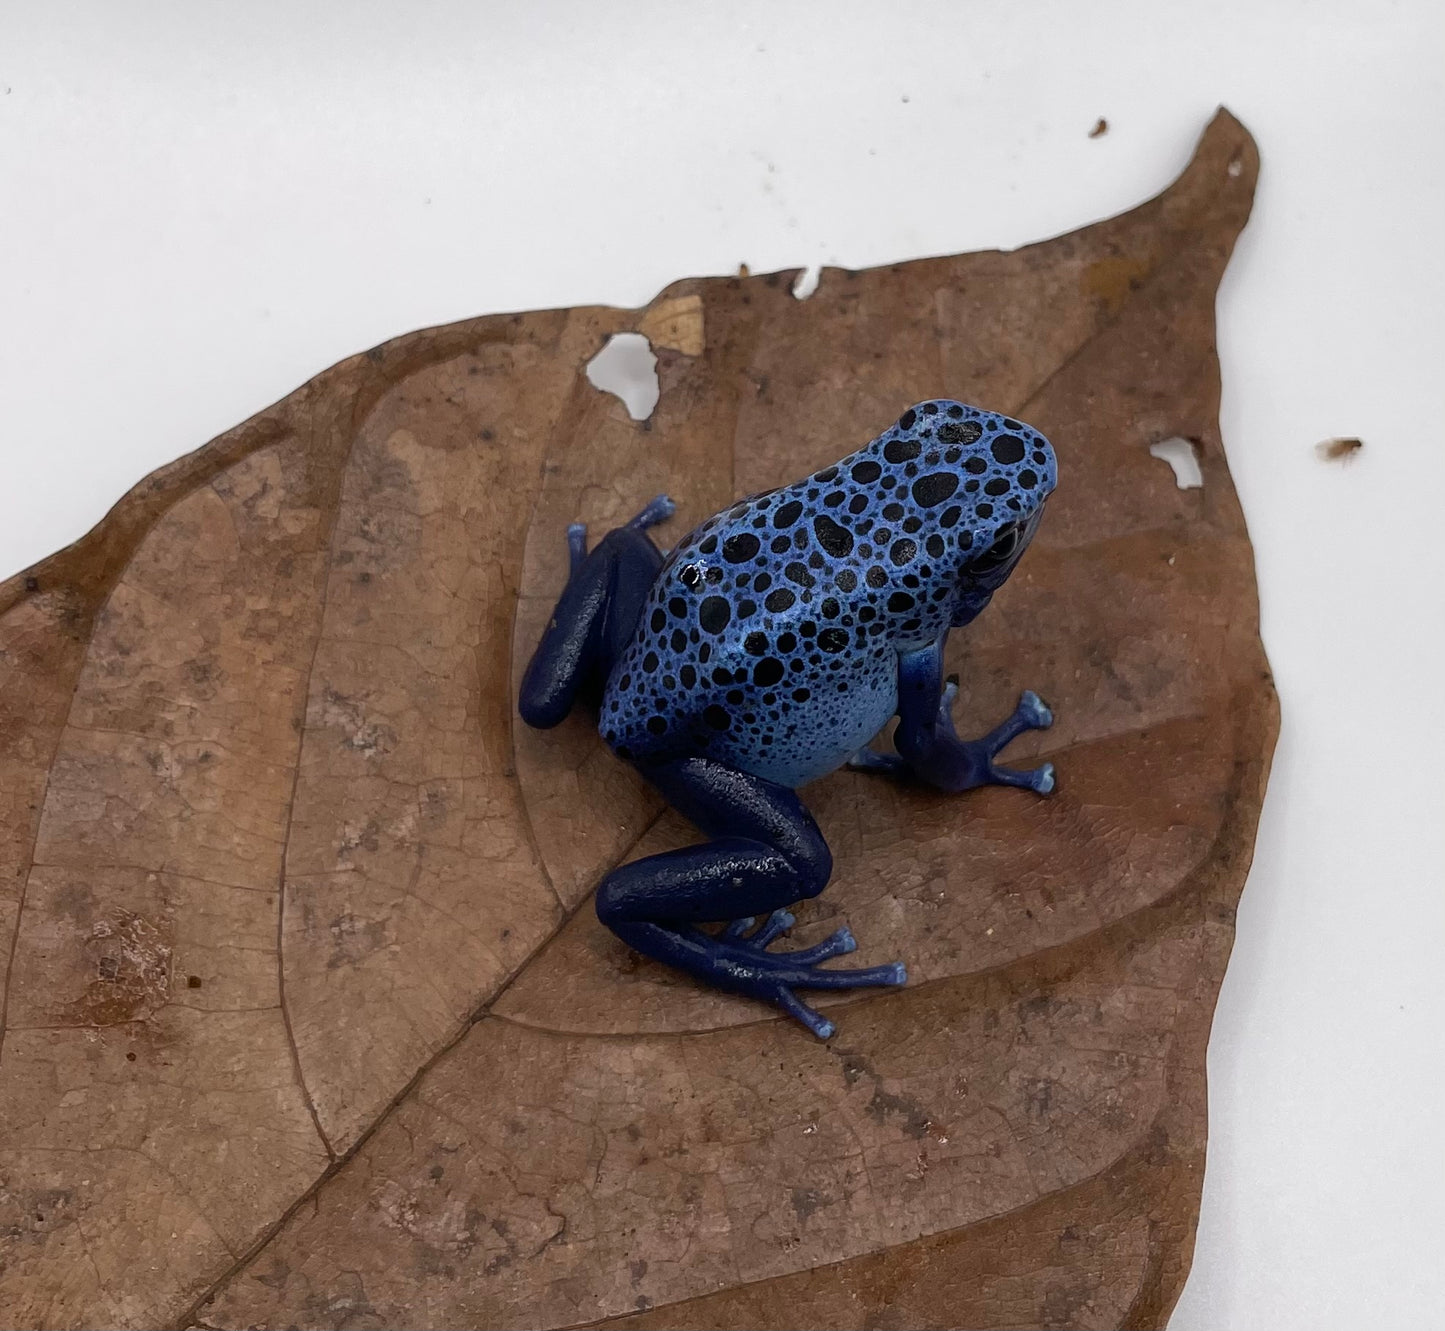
1038,779
1034,711
835,945
864,977
577,544
814,1020
739,927
659,510
870,760
779,922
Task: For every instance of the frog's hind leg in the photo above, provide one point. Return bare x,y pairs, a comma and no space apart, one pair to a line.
595,617
765,852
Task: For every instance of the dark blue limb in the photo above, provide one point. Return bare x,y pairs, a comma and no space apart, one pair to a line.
929,747
765,852
595,617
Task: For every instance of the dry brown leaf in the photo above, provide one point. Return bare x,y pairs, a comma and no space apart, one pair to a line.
294,898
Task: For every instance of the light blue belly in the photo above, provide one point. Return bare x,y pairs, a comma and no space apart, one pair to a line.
819,735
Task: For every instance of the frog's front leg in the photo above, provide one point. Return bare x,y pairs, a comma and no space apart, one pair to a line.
929,746
764,852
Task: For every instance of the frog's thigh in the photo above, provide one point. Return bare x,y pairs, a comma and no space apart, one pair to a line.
593,621
764,852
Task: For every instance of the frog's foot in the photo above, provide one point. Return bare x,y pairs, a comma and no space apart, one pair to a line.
737,959
971,762
1032,713
743,964
954,764
659,510
740,962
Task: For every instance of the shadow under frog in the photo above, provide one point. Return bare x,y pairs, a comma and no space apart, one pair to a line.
766,650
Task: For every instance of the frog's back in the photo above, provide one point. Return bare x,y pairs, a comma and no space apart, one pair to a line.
770,638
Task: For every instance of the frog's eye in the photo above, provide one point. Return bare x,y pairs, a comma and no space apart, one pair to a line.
999,553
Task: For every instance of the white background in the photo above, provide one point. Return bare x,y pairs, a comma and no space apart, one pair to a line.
201,206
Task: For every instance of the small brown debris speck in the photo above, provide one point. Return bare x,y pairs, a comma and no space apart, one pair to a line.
1101,127
1338,450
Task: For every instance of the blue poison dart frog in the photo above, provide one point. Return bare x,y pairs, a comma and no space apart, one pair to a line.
768,648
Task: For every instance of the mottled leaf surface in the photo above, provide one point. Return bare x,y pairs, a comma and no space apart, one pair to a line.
306,1021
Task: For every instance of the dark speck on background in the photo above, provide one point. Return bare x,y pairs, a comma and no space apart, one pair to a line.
1339,450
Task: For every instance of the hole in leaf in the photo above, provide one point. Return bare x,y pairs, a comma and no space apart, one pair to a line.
1183,457
806,282
627,368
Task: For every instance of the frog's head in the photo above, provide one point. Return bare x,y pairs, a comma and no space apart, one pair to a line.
981,479
1011,471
